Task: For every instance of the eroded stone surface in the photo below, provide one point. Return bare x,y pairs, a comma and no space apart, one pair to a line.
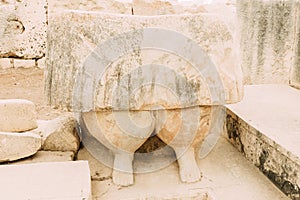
23,28
267,40
14,146
17,115
209,31
47,156
59,134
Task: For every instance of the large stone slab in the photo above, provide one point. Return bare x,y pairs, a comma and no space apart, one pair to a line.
267,40
59,134
23,26
17,115
265,127
196,77
295,71
57,180
14,146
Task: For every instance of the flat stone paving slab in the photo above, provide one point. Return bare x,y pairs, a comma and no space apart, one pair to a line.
226,175
51,181
265,127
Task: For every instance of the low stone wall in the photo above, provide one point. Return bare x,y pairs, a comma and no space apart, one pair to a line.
265,154
264,127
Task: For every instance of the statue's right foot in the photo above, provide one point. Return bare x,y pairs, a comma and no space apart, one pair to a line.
188,168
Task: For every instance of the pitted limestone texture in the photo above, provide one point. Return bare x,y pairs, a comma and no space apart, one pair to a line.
23,26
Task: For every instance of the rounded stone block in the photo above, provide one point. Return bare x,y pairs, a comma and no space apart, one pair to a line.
17,115
14,146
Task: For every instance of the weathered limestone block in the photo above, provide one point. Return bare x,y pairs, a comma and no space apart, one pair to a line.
267,37
295,71
23,26
57,180
21,63
59,134
5,63
17,115
177,82
112,6
14,146
47,156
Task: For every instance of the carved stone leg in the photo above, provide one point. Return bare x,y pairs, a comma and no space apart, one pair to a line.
184,130
123,171
123,132
188,168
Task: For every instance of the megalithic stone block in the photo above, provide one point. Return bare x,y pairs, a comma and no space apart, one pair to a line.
148,76
17,115
268,38
57,180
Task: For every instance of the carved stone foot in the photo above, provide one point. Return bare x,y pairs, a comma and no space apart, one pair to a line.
123,172
188,168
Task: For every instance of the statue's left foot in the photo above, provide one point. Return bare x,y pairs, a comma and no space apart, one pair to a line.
123,172
122,178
